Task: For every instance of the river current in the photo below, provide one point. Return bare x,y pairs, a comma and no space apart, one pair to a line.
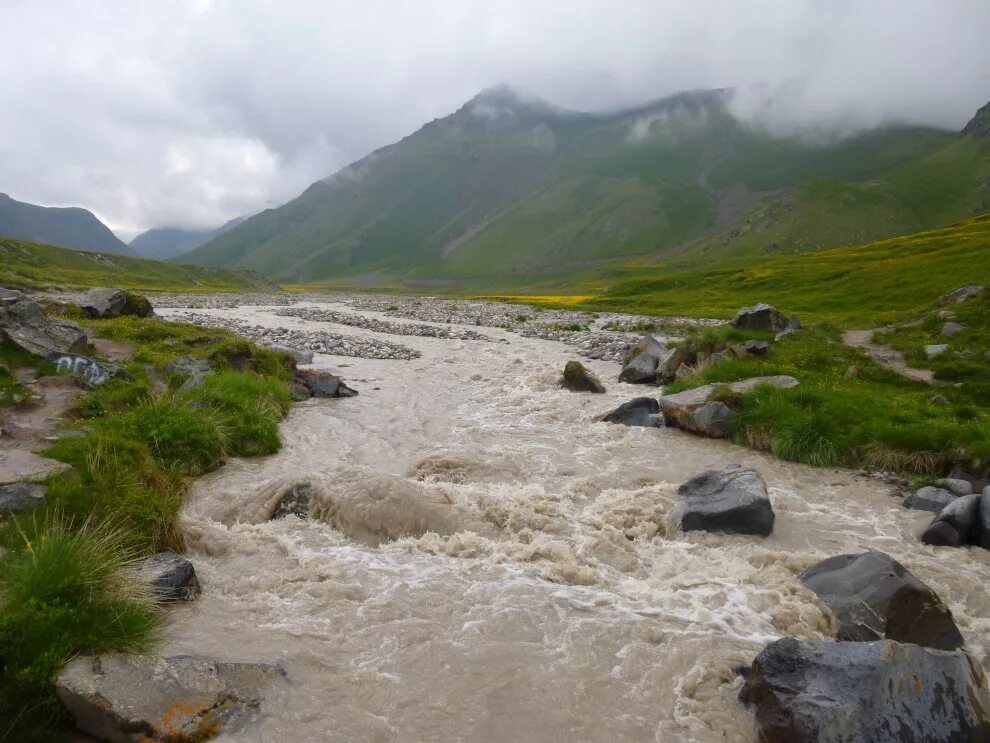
485,562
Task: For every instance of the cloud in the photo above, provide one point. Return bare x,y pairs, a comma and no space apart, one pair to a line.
190,112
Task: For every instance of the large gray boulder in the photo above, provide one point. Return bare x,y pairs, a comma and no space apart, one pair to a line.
25,324
669,365
951,329
642,367
816,691
957,485
181,698
955,524
929,499
17,497
323,384
640,411
874,597
681,410
577,378
103,302
171,577
733,499
760,317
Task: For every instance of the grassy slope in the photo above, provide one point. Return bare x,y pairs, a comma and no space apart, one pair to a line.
34,265
540,197
865,285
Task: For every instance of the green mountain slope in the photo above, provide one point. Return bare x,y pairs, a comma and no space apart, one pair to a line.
42,266
512,192
70,227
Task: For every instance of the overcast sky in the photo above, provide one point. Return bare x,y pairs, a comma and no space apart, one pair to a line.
191,112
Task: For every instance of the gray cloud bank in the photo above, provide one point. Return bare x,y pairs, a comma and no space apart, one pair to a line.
190,112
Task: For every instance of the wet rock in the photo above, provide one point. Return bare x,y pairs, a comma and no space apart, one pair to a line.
733,499
957,486
810,691
25,324
760,317
102,302
929,499
323,384
935,349
301,356
293,501
678,409
642,368
93,373
713,419
963,293
129,697
299,391
954,524
757,348
874,597
579,379
669,364
951,329
18,497
640,411
938,400
171,576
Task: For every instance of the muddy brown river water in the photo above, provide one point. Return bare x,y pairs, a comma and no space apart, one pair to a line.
487,563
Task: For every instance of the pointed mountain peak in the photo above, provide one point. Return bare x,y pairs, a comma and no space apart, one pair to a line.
501,101
979,125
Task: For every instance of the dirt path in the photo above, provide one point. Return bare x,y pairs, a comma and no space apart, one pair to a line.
885,355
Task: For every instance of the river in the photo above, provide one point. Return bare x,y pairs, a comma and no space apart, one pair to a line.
540,592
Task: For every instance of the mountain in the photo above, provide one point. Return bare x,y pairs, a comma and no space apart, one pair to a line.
29,264
71,227
511,191
164,243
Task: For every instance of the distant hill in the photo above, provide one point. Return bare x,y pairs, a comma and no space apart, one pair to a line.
46,266
165,243
509,191
70,227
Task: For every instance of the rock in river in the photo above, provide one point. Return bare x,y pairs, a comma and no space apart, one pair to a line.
955,525
323,384
579,379
642,367
733,499
182,698
929,499
640,411
816,691
171,576
874,597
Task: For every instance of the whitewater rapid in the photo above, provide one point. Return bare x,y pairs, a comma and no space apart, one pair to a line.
488,563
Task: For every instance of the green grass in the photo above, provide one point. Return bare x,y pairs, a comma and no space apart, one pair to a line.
876,418
66,588
866,285
26,264
140,446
